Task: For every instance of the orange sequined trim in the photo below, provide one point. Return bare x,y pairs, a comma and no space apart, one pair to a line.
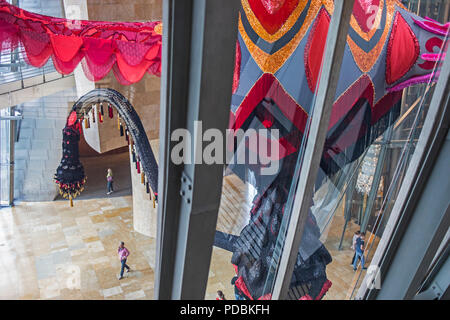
259,29
158,28
366,61
271,63
368,35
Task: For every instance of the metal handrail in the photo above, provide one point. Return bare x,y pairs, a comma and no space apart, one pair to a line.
12,69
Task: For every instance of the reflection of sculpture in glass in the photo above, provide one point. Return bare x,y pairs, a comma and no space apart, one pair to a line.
278,60
365,177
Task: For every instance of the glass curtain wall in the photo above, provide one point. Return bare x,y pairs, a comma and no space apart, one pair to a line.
6,157
370,139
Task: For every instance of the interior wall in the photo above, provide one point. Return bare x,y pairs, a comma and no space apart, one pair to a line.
144,96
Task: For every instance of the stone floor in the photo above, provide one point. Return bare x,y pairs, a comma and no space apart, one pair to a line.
51,251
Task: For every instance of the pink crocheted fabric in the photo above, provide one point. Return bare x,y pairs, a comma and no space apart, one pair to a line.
130,49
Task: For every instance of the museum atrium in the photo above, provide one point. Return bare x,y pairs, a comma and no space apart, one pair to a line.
149,123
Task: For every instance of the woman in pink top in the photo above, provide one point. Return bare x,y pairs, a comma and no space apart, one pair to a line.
123,255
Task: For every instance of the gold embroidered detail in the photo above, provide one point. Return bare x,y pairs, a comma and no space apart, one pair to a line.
158,28
259,29
364,60
368,35
271,63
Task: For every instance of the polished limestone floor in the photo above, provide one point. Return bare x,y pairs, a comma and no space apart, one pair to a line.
51,251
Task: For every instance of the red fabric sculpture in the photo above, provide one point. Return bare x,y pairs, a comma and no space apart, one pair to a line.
130,49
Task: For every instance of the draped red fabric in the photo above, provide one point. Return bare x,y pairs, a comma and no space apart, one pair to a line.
130,49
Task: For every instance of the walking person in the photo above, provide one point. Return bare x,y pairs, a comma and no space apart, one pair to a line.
109,181
237,293
220,295
359,250
355,237
123,255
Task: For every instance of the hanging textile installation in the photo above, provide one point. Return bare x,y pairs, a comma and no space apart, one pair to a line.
278,60
130,49
70,175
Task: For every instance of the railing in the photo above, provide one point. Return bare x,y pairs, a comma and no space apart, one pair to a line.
13,68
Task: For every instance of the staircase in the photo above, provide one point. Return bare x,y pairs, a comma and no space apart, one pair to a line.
38,147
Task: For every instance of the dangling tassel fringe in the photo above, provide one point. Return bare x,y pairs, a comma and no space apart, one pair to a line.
154,202
93,114
110,111
101,110
71,200
142,177
118,122
100,117
127,133
121,130
147,189
138,167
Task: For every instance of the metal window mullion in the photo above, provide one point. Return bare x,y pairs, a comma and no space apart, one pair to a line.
332,60
213,42
177,20
204,52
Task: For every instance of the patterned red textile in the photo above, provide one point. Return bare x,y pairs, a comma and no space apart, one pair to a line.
130,49
402,52
272,14
237,67
315,47
365,12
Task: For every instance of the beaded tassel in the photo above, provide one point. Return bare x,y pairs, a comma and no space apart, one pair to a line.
93,114
127,135
110,111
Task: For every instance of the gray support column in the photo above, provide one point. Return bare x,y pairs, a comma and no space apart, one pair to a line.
332,60
177,20
198,49
420,216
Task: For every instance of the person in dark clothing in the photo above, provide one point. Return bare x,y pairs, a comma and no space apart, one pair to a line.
355,237
237,293
220,295
359,250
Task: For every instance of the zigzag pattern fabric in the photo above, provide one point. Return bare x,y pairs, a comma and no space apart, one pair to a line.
279,55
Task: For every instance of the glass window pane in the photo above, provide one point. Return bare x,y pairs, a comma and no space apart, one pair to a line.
373,129
276,77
